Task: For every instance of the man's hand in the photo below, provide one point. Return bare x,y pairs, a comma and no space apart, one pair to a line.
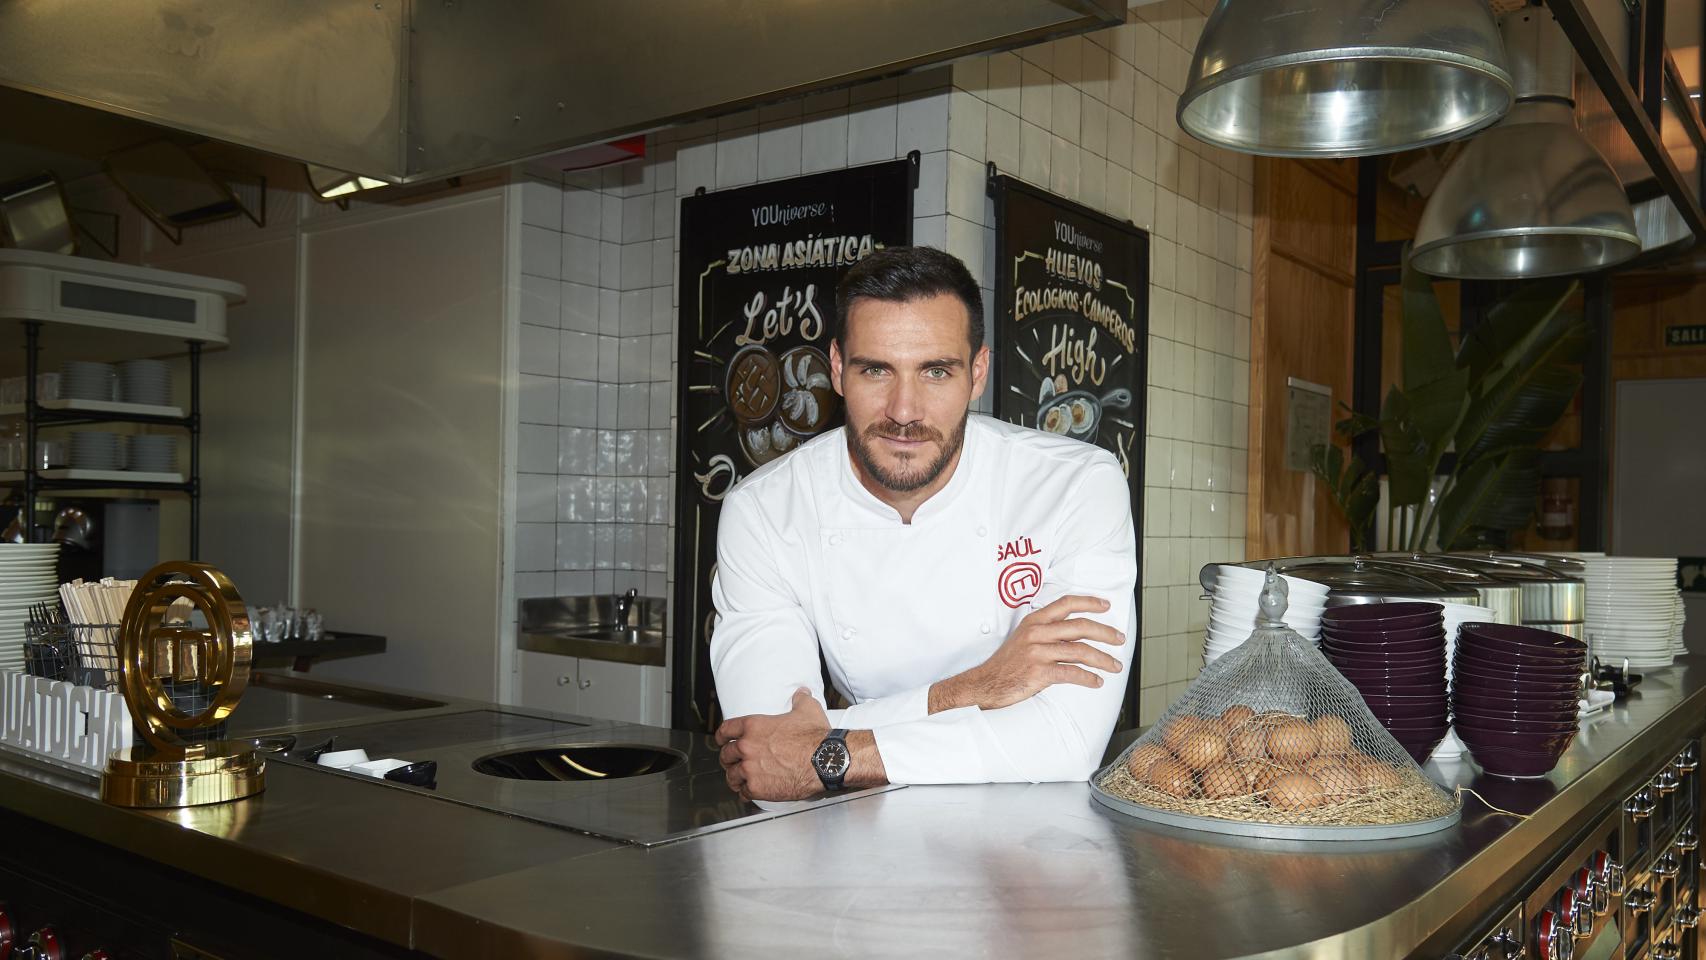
1042,650
769,756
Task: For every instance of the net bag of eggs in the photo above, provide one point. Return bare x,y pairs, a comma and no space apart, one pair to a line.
1270,733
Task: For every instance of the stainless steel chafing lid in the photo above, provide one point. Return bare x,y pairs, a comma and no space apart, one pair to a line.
1548,596
1357,580
1502,597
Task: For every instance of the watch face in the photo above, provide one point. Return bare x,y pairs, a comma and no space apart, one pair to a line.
832,758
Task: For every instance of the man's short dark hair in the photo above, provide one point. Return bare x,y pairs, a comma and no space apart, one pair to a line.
902,274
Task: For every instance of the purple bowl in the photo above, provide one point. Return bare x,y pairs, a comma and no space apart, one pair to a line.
1388,664
1468,701
1437,718
1499,762
1526,641
1377,652
1516,686
1507,719
1383,616
1508,725
1525,667
1421,747
1432,632
1424,709
1398,675
1554,743
1410,691
1424,645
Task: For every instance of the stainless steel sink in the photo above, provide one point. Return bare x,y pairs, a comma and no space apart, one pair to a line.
623,628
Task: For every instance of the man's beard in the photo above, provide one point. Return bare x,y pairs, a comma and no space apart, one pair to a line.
908,477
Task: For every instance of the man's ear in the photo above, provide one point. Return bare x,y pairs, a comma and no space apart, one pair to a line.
835,366
979,371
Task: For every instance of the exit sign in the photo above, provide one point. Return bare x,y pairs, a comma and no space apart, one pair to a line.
1687,335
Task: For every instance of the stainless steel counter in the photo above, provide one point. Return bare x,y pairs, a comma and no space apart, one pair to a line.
1010,870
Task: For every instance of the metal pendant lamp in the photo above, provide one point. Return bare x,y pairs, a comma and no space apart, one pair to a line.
1530,197
1344,78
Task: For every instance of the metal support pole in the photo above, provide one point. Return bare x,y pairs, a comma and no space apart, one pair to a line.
195,450
32,361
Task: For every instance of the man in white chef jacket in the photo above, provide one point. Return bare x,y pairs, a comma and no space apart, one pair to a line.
969,582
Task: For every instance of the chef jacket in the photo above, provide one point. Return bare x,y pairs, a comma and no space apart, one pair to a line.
809,560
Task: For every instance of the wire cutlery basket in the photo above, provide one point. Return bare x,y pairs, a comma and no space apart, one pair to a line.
86,654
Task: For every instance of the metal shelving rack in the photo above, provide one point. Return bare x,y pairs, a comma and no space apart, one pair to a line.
36,416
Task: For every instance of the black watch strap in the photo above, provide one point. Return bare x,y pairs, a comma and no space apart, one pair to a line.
832,759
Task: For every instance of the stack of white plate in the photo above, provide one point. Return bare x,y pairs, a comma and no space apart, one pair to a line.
1677,647
1632,609
152,453
1232,615
145,381
96,450
27,576
86,380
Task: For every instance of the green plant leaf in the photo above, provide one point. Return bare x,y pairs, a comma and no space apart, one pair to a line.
1526,391
1428,354
1494,345
1496,493
1408,467
1350,484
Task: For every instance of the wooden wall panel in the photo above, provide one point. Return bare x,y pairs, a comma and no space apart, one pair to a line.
1302,325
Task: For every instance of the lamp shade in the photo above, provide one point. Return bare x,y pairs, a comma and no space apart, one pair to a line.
1344,78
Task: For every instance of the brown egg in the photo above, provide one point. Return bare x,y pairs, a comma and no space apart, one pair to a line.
1203,749
1261,773
1224,780
1336,779
1295,791
1171,776
1236,716
1144,757
1249,743
1180,728
1334,732
1293,742
1381,776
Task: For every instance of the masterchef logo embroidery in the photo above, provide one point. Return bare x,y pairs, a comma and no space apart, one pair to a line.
1019,582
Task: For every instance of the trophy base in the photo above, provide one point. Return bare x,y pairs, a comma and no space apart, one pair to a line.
144,777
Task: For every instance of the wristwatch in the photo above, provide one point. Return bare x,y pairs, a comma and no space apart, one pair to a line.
831,759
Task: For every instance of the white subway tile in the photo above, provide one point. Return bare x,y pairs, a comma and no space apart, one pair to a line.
535,497
577,499
535,546
1006,75
1035,154
636,313
696,166
578,355
580,260
1065,112
634,360
922,122
780,150
930,232
583,212
636,272
610,213
537,402
630,500
1004,141
607,406
539,350
541,252
658,458
637,218
737,159
539,583
931,197
575,546
1063,167
630,453
871,129
967,124
824,142
966,188
663,215
607,359
577,451
663,309
541,301
1036,95
634,405
536,449
604,498
662,355
610,265
577,403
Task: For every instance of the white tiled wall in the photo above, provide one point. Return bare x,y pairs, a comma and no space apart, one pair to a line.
1090,118
593,456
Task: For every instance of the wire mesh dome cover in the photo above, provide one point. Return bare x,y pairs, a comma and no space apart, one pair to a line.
1271,741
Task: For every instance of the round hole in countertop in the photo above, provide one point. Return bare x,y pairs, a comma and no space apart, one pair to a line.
579,762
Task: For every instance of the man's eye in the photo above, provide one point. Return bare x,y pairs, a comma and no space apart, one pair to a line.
937,373
873,371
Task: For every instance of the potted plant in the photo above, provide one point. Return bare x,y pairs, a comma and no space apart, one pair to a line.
1461,432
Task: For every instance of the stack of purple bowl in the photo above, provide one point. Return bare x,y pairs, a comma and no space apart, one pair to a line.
1394,654
1513,694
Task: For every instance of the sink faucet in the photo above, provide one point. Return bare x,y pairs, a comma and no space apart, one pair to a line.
624,603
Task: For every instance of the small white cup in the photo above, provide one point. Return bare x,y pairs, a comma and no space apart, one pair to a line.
343,759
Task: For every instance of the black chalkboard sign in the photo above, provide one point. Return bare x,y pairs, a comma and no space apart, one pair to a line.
759,266
1072,334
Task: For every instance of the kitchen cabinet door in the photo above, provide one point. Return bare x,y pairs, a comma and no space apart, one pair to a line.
550,682
621,691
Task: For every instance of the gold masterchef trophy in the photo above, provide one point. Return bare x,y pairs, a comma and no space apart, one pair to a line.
177,679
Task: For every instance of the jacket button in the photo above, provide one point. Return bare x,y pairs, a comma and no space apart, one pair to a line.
835,539
983,627
982,531
847,633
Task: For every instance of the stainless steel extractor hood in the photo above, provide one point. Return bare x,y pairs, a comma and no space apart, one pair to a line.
404,90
